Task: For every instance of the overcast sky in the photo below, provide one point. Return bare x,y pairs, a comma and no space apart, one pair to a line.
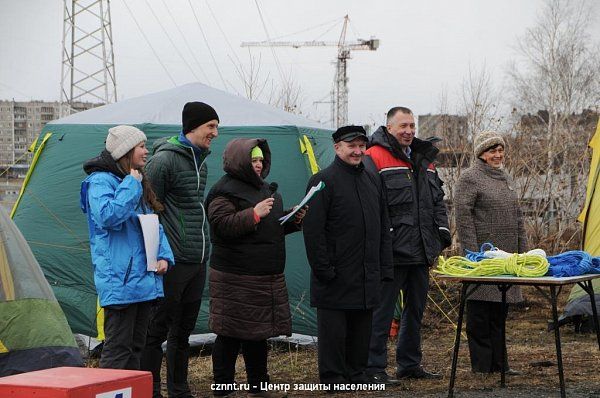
426,47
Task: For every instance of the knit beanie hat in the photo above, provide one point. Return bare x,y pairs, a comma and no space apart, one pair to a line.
121,139
256,153
196,114
485,140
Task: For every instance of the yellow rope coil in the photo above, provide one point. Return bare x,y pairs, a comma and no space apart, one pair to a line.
519,265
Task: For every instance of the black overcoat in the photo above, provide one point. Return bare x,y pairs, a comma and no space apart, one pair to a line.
347,238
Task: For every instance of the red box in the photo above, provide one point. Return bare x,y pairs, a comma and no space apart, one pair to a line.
69,382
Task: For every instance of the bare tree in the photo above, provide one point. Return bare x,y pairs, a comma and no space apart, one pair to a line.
558,70
287,96
477,111
479,101
556,77
251,77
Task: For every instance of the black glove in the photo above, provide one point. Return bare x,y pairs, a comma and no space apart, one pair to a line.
445,238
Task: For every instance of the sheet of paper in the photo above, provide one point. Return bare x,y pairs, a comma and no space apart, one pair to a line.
150,230
309,195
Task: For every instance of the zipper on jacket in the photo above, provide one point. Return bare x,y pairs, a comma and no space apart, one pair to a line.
128,270
203,237
197,170
201,205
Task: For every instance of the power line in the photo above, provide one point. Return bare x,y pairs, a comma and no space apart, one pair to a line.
277,64
207,45
222,31
206,79
353,29
171,40
228,44
149,44
328,30
336,22
17,90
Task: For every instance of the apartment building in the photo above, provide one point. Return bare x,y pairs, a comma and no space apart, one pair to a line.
20,124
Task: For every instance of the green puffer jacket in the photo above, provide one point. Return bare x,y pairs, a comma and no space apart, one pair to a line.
178,180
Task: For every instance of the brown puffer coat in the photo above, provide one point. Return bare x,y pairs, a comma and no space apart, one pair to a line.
248,293
248,307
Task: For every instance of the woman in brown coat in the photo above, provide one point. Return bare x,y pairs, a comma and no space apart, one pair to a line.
487,210
248,294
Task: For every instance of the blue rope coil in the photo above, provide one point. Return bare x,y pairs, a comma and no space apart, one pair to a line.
478,256
573,263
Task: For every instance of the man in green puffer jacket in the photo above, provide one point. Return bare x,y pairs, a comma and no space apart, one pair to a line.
177,171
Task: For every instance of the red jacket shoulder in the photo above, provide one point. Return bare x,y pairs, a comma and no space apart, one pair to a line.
383,158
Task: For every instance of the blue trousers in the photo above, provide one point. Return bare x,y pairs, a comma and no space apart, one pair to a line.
413,280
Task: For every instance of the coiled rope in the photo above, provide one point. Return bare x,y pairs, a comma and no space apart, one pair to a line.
517,264
480,255
573,263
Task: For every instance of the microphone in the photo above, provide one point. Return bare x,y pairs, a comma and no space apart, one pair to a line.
273,188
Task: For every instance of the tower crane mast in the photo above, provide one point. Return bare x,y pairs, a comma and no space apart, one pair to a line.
339,94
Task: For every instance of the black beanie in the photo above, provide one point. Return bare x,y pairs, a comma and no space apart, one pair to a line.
196,114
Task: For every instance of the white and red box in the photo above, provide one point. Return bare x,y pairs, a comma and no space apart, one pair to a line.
67,382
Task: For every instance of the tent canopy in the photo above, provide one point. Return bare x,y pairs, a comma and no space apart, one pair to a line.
165,108
34,333
50,219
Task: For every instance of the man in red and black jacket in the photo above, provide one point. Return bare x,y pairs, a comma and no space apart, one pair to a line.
419,233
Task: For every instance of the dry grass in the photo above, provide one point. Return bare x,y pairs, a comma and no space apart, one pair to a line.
530,348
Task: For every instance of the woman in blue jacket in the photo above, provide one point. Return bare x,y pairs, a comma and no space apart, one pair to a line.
112,196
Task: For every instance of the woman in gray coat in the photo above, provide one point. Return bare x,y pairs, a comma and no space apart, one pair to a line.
487,210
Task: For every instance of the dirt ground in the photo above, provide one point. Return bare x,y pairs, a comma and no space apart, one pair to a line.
531,350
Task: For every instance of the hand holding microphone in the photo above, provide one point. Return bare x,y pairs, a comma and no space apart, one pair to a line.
262,209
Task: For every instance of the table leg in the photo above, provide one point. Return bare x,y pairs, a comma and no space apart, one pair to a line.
503,289
461,310
557,341
594,310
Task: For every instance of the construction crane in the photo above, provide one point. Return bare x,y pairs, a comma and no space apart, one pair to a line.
339,94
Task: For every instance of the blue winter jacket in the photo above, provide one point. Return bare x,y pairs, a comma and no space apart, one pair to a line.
116,241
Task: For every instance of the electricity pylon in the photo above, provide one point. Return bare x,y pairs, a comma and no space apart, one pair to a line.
88,62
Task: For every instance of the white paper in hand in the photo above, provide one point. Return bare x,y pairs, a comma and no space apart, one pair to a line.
309,195
149,224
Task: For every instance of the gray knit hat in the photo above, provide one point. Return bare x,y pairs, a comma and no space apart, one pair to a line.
121,139
485,140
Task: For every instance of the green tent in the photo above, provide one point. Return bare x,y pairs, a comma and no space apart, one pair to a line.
34,333
48,212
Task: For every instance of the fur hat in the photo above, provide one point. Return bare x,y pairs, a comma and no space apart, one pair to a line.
196,114
485,140
121,139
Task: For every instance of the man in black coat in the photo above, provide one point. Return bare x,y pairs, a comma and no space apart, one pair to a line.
348,244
